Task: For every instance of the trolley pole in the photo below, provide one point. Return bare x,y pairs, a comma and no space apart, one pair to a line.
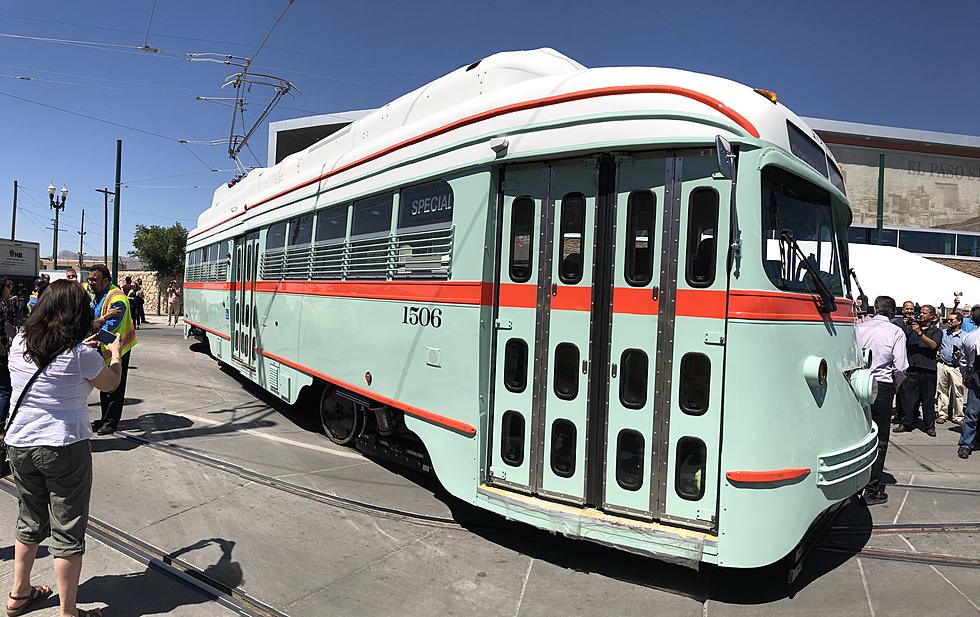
81,243
13,219
105,231
115,214
881,198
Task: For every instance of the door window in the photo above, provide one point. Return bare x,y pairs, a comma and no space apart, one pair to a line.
640,222
515,365
629,460
512,438
521,239
566,371
572,236
702,231
563,448
633,381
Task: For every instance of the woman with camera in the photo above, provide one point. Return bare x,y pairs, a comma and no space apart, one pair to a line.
54,364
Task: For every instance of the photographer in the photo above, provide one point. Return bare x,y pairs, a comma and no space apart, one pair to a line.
924,340
949,387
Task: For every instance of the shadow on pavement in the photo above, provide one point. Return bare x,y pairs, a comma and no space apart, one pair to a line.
152,593
728,585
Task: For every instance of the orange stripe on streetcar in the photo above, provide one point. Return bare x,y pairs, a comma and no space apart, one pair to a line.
455,425
761,477
779,306
571,298
508,109
515,295
457,292
635,301
206,329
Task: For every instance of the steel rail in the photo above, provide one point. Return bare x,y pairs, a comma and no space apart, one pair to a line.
233,598
906,528
933,559
938,489
331,499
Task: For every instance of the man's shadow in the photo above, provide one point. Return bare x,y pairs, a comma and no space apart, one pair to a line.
152,592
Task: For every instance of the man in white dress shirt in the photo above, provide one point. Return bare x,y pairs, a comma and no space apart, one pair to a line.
888,364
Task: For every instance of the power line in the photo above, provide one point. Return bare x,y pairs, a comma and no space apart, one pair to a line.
289,3
147,37
75,113
223,42
203,162
116,47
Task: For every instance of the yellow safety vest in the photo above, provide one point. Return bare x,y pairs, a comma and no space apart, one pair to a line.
125,328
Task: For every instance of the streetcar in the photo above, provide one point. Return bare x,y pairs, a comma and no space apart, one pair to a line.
611,303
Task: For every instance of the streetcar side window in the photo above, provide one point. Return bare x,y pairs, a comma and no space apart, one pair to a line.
572,238
275,237
695,385
641,216
428,206
566,371
301,230
213,253
633,380
702,232
331,225
629,460
515,365
563,448
512,438
689,468
372,217
521,239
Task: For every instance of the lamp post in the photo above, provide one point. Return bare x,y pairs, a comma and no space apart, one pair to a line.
58,206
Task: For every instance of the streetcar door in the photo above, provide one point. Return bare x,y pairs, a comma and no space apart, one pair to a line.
245,269
564,317
689,475
523,194
633,416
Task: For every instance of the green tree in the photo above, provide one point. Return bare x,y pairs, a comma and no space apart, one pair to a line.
162,250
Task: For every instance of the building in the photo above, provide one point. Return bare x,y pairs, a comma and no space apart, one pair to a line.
931,188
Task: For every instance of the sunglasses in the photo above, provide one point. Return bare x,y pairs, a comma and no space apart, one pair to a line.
72,276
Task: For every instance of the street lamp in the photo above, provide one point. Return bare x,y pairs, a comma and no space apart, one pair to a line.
58,206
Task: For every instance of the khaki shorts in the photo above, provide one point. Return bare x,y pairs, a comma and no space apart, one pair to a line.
55,485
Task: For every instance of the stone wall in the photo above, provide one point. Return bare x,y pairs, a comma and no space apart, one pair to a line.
151,292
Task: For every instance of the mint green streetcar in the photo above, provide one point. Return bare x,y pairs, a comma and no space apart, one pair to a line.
611,303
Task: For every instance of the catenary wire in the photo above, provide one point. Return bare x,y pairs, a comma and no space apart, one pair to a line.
146,38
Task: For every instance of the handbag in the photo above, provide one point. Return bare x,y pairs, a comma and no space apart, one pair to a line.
4,463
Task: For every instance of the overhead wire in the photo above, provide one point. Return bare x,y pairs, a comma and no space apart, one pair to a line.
147,37
289,3
224,42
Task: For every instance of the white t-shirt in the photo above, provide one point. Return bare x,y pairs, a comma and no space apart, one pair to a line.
55,410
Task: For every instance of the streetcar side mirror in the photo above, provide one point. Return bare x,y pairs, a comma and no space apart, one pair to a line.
726,158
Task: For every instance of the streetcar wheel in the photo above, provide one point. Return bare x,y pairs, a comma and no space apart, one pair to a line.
342,420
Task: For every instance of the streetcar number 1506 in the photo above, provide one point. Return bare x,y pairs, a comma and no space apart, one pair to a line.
421,316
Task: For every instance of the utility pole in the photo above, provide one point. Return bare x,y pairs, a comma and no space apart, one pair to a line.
81,242
115,214
105,232
13,220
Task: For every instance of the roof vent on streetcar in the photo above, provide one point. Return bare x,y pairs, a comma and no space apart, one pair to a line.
769,94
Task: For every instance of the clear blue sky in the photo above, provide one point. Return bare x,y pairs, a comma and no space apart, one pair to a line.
905,64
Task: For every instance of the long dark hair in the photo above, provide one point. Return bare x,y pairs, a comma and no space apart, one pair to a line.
61,320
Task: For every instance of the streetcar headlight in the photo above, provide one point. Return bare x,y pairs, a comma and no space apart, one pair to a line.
864,386
815,371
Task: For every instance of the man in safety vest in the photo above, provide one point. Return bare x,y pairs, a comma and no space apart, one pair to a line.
110,308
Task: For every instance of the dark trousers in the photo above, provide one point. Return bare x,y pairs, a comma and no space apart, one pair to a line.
5,391
881,413
918,388
112,402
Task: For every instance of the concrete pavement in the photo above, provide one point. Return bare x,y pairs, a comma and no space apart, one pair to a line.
308,558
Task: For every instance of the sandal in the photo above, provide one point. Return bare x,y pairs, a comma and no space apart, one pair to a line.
38,593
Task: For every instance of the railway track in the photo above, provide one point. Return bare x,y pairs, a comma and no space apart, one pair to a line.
234,598
355,505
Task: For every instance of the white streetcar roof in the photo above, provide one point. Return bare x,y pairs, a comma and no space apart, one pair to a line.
501,92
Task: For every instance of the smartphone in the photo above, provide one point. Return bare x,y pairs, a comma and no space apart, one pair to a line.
106,337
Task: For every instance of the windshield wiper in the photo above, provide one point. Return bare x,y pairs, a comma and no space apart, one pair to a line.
827,302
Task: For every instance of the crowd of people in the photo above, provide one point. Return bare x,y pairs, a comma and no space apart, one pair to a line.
927,371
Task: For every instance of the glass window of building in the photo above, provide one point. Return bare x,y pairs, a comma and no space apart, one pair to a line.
929,242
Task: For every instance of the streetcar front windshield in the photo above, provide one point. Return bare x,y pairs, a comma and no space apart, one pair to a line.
794,209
